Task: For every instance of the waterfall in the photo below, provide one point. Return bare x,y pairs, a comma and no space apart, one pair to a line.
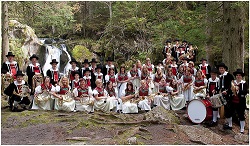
68,65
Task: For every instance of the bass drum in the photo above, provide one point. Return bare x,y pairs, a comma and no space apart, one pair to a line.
199,110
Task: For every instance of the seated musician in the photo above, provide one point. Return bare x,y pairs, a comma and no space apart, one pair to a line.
83,97
42,97
134,76
213,89
162,98
122,79
129,104
200,85
18,91
144,92
177,100
63,99
102,102
157,78
76,81
87,76
113,94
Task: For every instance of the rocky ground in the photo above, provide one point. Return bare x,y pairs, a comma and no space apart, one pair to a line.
155,127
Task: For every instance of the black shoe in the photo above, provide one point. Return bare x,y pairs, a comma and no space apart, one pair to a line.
242,132
226,127
212,124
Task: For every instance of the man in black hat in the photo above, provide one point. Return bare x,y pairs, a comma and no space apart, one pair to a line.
10,66
93,65
239,92
53,72
18,91
85,66
34,68
205,68
72,70
213,88
108,66
225,87
174,48
184,45
167,48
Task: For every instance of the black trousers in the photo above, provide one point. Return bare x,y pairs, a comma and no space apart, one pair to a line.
25,100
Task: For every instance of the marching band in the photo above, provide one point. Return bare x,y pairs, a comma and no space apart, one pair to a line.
174,84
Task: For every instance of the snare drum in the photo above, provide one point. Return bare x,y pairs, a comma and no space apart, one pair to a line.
216,101
199,110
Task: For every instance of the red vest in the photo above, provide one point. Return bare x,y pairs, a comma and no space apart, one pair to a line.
122,77
187,79
44,87
100,91
63,90
82,91
199,82
143,91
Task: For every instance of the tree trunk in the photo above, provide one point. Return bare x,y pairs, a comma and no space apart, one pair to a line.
233,36
5,29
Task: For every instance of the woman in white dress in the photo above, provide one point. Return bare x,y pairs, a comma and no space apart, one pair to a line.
102,102
64,99
200,85
177,100
162,99
111,77
144,92
122,79
134,76
128,106
170,76
113,94
42,97
157,78
83,97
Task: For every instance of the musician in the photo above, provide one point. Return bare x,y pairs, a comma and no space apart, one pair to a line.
200,84
87,76
111,77
85,66
177,100
160,65
63,99
179,52
122,79
170,76
213,87
192,52
205,67
134,76
34,68
98,74
129,106
113,95
76,82
167,61
162,99
144,73
149,66
157,78
225,87
93,69
18,92
174,67
108,66
10,66
180,72
193,70
239,92
83,96
187,81
185,63
70,73
138,65
42,99
167,48
184,45
174,48
144,92
102,102
53,72
93,65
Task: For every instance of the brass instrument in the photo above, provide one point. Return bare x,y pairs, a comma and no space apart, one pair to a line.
199,91
188,54
37,80
233,88
24,92
187,86
7,79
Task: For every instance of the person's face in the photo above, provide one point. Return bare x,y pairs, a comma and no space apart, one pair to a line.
86,65
93,63
47,80
213,75
87,73
82,83
98,70
54,65
110,85
204,62
109,62
122,70
174,82
163,81
64,81
147,61
99,84
77,76
10,58
169,72
222,70
176,42
190,65
33,60
187,72
19,78
143,84
199,74
112,72
174,62
73,64
129,87
238,77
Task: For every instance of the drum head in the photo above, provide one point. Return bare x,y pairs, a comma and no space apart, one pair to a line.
196,111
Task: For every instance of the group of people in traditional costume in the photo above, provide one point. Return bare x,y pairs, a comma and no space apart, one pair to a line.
171,84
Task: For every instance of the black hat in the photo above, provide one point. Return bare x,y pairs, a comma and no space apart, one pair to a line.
85,61
176,40
53,61
34,56
73,60
86,69
93,60
214,70
222,65
109,59
168,41
190,44
10,54
99,66
76,72
19,73
159,62
184,41
239,71
203,59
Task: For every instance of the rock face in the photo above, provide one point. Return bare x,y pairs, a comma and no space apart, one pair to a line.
201,135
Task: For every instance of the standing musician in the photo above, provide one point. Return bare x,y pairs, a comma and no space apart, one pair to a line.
42,97
18,91
184,63
63,99
167,48
162,99
185,46
167,61
149,66
10,67
83,97
205,67
134,77
200,85
76,82
239,92
108,66
174,67
170,76
144,92
213,87
174,48
70,73
193,70
180,53
157,78
53,72
128,105
160,65
144,73
87,76
111,77
93,65
225,88
85,67
122,79
34,70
